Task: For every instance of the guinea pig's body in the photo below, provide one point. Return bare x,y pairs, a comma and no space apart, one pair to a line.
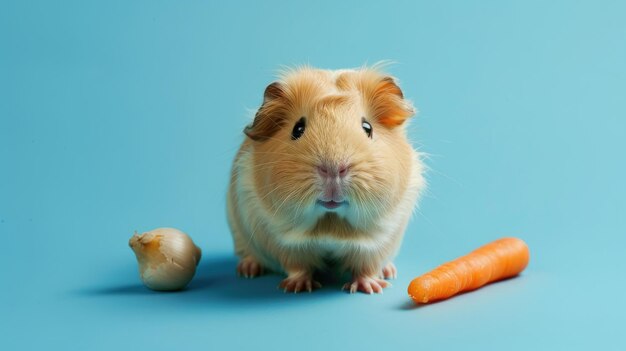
325,174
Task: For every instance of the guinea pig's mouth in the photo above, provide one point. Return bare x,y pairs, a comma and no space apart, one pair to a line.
331,205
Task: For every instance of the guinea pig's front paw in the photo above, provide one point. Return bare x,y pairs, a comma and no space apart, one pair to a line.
367,285
249,267
390,271
299,282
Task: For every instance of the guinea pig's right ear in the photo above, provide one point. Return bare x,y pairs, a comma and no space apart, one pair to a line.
271,115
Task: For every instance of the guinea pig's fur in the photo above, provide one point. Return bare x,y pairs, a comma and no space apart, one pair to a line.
285,185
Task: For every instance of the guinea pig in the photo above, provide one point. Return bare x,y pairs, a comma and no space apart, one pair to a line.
325,175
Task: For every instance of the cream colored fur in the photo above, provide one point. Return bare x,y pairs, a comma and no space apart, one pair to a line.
272,210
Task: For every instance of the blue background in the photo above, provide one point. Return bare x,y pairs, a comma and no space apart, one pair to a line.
120,116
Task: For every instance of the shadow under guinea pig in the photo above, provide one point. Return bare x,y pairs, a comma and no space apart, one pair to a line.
216,281
218,278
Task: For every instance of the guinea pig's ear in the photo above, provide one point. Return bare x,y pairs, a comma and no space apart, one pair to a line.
270,117
388,104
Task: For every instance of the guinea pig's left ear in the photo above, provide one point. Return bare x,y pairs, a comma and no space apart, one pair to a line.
387,103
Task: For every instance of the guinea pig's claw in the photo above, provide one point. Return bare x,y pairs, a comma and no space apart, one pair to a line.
366,285
248,267
390,271
296,284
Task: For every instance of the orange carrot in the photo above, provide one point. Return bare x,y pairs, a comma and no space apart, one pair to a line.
497,260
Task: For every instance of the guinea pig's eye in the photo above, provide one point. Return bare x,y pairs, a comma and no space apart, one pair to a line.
298,129
367,127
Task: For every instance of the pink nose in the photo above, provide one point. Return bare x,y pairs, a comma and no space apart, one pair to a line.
333,170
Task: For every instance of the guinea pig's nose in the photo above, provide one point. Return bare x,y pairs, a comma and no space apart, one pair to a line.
333,170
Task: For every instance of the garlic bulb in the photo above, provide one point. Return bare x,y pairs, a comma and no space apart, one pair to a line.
167,258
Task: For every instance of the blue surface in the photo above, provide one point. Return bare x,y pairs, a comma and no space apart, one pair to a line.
124,116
